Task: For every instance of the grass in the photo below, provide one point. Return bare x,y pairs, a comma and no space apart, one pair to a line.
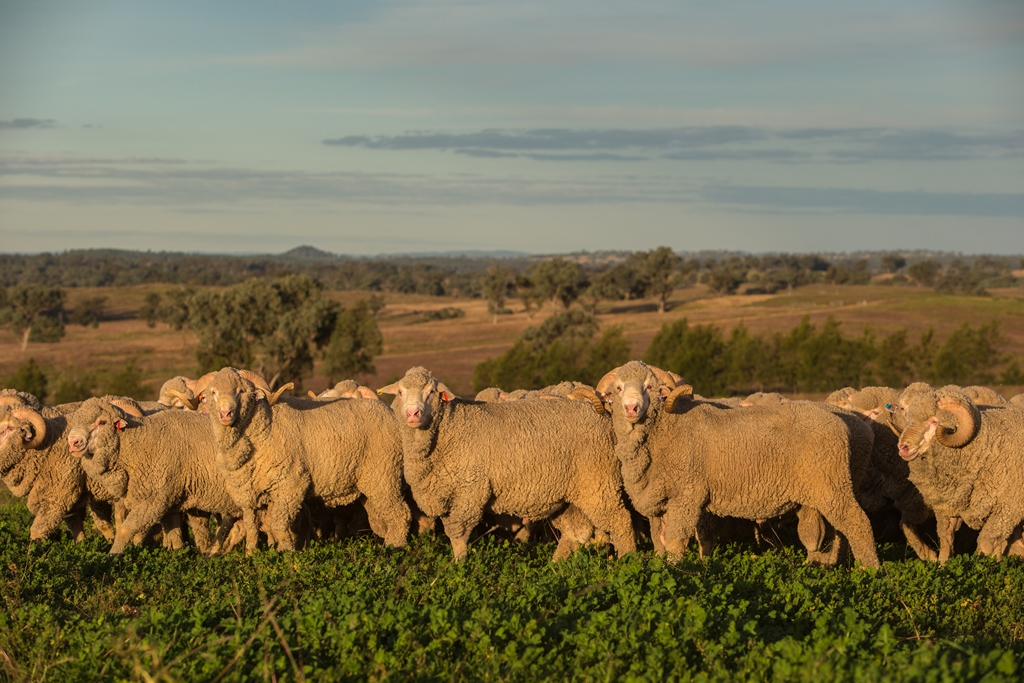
452,348
359,611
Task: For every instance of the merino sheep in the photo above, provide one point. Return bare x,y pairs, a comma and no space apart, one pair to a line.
531,459
972,462
755,463
159,464
345,389
36,465
273,455
983,396
1017,400
172,390
889,471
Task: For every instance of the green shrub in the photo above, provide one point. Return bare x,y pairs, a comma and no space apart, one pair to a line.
30,378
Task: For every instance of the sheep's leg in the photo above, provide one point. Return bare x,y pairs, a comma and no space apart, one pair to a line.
606,512
947,527
225,525
707,534
574,528
1017,542
679,525
848,519
76,524
995,534
139,520
199,523
916,543
252,530
102,517
389,517
815,535
45,522
282,514
173,528
657,537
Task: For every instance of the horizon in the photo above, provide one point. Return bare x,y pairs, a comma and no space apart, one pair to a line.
408,128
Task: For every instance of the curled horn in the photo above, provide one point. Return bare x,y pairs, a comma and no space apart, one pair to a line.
664,377
967,420
589,395
127,405
38,426
606,381
190,402
367,392
273,397
9,400
199,386
258,380
684,392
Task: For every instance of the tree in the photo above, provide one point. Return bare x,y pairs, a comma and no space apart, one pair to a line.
924,272
34,313
270,326
529,294
496,284
88,312
725,280
29,378
559,280
561,348
125,382
355,341
659,270
150,310
892,263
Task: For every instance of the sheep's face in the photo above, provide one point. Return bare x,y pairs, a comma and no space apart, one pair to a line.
632,388
417,396
95,430
874,404
922,420
17,436
227,395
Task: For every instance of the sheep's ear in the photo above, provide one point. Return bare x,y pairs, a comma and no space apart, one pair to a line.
311,394
872,415
663,391
120,425
389,389
447,395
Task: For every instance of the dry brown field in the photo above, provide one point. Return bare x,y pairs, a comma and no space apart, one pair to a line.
452,348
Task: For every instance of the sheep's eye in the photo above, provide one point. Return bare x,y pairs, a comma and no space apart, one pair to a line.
101,422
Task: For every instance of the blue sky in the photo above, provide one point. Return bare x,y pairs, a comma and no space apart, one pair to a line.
544,127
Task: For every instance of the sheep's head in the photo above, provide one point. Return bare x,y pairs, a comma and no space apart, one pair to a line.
985,396
947,416
417,397
630,387
21,429
19,398
176,391
490,395
346,389
873,404
95,429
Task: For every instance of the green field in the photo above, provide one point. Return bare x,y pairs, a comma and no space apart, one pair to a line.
359,611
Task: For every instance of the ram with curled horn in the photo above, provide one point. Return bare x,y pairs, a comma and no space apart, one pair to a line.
36,465
968,462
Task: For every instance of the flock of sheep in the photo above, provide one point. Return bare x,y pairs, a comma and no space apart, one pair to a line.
639,450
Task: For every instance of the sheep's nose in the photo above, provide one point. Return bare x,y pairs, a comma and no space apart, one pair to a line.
76,444
225,415
413,414
904,450
631,409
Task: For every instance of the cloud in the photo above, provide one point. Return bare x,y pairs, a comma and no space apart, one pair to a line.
206,187
847,200
24,124
705,143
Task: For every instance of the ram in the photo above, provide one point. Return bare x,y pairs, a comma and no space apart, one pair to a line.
530,459
971,462
274,455
754,463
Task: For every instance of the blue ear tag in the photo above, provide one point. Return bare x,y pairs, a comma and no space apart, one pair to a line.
888,406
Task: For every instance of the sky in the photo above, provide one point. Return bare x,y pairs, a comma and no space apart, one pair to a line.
543,127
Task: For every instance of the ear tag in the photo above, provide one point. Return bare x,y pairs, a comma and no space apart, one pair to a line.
117,426
445,397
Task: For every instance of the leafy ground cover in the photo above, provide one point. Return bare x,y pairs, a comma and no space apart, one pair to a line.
359,611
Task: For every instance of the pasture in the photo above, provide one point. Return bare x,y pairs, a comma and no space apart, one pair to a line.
356,610
451,349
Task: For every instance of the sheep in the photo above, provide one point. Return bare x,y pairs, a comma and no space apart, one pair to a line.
1017,400
273,455
36,465
985,396
754,463
170,390
764,398
159,464
347,389
531,459
889,472
971,462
